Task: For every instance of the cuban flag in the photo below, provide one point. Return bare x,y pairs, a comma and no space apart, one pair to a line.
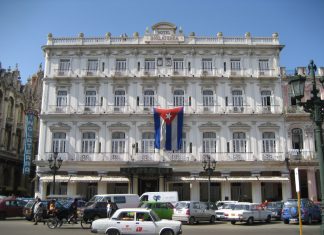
168,125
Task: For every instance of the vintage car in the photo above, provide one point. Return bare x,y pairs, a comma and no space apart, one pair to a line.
163,209
249,212
222,214
11,207
136,221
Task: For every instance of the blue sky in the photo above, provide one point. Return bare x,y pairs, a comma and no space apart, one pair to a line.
24,24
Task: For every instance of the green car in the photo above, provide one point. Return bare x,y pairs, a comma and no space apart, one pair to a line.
163,209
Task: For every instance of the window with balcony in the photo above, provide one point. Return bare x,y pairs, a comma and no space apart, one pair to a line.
88,142
266,98
148,98
149,65
178,65
268,142
118,142
178,98
237,96
120,98
61,98
90,98
239,142
235,64
209,142
263,65
297,138
59,142
64,65
207,65
121,65
93,65
148,142
208,98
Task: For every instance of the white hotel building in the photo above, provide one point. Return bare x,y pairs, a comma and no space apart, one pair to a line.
97,112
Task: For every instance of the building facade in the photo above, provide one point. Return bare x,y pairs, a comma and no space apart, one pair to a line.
14,100
97,114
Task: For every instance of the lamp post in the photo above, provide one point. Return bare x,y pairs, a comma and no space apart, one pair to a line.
209,166
54,164
314,106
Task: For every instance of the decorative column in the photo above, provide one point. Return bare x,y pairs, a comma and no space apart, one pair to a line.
135,184
194,191
286,190
311,183
226,190
256,192
71,188
161,183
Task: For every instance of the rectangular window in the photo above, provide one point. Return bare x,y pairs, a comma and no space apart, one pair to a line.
235,64
178,64
149,64
178,98
92,65
90,99
263,65
61,99
266,98
120,99
268,142
209,142
59,142
207,65
118,142
237,98
148,98
121,65
88,142
64,65
208,98
239,142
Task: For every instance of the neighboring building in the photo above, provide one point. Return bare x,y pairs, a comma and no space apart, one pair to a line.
300,136
98,98
13,103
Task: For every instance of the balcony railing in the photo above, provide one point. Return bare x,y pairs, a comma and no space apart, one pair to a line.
268,109
59,109
88,109
147,157
273,156
91,73
301,154
178,157
241,156
266,73
63,73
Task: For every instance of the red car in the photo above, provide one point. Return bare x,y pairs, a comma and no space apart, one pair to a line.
11,207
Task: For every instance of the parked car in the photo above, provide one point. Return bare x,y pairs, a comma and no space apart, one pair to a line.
309,211
136,221
11,207
220,204
222,214
94,211
249,212
193,211
160,197
163,209
276,209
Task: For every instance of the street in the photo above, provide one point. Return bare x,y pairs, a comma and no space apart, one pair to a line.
23,227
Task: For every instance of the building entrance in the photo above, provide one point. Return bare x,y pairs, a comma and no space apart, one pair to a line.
147,185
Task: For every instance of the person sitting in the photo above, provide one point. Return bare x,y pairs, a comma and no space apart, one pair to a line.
51,209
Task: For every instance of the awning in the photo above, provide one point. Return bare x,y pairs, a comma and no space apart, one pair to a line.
84,178
114,179
199,179
58,178
242,179
273,178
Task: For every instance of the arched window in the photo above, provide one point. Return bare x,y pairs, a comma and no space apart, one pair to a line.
297,138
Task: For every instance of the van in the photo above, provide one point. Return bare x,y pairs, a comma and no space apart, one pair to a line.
160,197
193,211
122,200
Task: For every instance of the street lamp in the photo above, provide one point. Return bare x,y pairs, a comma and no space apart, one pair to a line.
209,166
54,164
314,106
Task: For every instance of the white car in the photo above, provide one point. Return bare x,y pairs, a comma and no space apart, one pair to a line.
249,212
222,214
136,221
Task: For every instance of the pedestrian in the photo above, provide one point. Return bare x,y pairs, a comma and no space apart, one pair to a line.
38,211
109,208
73,211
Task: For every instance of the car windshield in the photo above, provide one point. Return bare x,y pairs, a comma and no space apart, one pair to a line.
290,203
274,205
181,205
229,206
241,207
146,205
155,216
30,204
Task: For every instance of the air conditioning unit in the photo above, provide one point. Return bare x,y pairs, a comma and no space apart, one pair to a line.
87,109
266,109
146,109
60,73
175,72
261,73
90,73
206,108
146,73
59,109
116,109
204,73
233,73
238,109
118,73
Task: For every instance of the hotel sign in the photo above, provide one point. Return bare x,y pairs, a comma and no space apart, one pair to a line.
28,150
162,38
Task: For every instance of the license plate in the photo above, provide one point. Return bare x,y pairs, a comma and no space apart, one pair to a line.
232,214
294,220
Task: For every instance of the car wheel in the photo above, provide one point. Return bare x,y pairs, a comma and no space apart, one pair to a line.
212,219
192,220
250,221
310,220
167,232
233,222
268,220
113,232
286,221
2,215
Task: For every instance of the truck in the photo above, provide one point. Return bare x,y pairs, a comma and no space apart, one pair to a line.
160,197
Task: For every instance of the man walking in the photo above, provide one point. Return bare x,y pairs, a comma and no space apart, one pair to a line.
38,211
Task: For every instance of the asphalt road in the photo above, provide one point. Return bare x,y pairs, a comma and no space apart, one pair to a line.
22,227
